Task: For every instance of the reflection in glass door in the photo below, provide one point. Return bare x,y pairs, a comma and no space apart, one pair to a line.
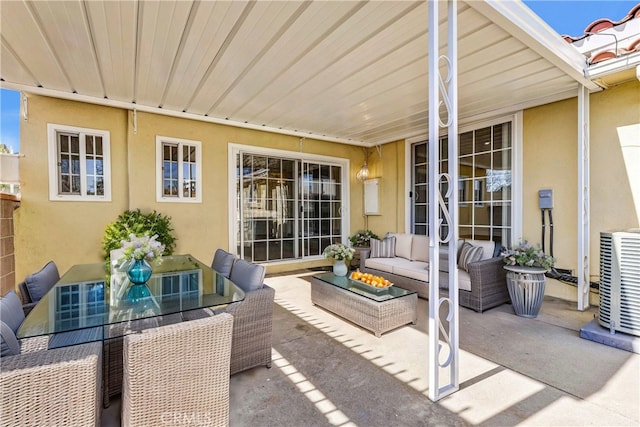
320,193
286,208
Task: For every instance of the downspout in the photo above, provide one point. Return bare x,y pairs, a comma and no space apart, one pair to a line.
583,199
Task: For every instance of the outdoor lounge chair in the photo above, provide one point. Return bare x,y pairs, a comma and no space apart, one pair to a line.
52,387
179,370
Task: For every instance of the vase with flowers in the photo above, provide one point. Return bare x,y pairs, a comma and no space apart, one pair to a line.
137,252
526,266
341,254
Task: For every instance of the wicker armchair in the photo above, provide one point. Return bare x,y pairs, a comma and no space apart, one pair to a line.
180,370
52,387
252,330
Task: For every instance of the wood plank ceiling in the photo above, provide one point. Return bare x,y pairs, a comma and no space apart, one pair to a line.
355,72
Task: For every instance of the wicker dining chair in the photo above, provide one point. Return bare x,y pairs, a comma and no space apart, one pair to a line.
52,387
179,370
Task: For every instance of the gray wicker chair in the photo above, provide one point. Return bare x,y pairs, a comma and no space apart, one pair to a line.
52,387
178,370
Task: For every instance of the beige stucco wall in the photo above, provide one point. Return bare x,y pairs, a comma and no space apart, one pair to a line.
66,232
71,232
550,161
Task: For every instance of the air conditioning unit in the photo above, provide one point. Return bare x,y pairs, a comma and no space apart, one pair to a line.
620,281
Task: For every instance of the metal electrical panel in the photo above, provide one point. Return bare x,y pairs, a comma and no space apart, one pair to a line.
545,199
372,196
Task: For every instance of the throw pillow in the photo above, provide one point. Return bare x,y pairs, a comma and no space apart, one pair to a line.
223,262
11,311
385,248
469,254
38,284
248,276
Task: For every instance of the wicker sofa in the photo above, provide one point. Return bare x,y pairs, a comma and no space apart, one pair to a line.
482,285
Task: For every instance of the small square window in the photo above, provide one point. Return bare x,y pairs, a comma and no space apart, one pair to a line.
178,170
79,164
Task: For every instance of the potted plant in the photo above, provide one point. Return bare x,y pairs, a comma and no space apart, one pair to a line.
362,238
526,265
341,254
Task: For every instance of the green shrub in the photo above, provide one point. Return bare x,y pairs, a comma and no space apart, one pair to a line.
135,222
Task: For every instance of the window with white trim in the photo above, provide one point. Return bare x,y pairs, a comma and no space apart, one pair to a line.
79,164
178,170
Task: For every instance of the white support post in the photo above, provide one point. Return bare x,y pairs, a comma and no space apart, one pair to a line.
583,199
447,328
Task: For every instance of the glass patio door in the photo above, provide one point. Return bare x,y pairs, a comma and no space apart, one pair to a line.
286,208
320,193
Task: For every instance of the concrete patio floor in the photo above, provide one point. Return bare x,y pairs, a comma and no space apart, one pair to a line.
513,371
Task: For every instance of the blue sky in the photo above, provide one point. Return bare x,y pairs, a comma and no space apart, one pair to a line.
566,17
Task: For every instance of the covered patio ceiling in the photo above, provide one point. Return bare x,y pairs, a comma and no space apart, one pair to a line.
345,71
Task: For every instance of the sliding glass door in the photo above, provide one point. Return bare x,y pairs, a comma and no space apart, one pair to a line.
286,208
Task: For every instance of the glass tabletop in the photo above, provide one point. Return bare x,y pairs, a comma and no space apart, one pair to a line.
362,289
91,299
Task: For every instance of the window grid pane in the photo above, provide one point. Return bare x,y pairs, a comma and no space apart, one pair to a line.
484,185
189,163
68,164
170,170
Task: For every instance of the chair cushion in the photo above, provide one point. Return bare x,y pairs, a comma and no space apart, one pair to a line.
469,254
384,248
223,262
11,311
9,345
247,275
39,283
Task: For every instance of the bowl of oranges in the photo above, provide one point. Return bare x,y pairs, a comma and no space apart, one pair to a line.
370,282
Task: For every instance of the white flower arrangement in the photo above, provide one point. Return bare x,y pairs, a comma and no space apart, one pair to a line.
141,247
338,251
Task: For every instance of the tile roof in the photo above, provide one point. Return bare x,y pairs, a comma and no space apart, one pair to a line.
602,25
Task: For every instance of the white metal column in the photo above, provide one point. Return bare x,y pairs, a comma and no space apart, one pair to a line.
443,333
583,198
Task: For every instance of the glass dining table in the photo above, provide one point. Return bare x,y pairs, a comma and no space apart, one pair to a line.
89,303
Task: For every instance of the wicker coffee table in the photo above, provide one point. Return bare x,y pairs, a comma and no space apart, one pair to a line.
375,310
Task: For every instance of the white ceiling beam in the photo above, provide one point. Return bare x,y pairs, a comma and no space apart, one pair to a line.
522,23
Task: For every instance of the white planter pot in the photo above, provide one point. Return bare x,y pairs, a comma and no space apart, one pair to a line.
526,289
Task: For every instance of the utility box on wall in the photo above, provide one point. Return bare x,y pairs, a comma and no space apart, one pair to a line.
372,196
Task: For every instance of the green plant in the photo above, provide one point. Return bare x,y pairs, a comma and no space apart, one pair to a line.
527,255
361,238
139,224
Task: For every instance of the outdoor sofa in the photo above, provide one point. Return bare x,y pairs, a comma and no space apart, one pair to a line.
403,259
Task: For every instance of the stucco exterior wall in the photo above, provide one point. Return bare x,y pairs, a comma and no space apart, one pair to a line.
550,154
66,232
71,232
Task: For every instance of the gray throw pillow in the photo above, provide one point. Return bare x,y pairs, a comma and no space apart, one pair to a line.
223,262
248,276
385,248
469,254
38,284
11,311
9,345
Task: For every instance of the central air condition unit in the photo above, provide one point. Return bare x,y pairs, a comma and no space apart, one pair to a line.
620,281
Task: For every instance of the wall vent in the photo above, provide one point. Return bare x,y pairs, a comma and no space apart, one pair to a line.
620,281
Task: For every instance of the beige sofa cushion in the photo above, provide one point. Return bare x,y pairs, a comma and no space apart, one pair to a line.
382,264
420,248
415,269
403,244
487,246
